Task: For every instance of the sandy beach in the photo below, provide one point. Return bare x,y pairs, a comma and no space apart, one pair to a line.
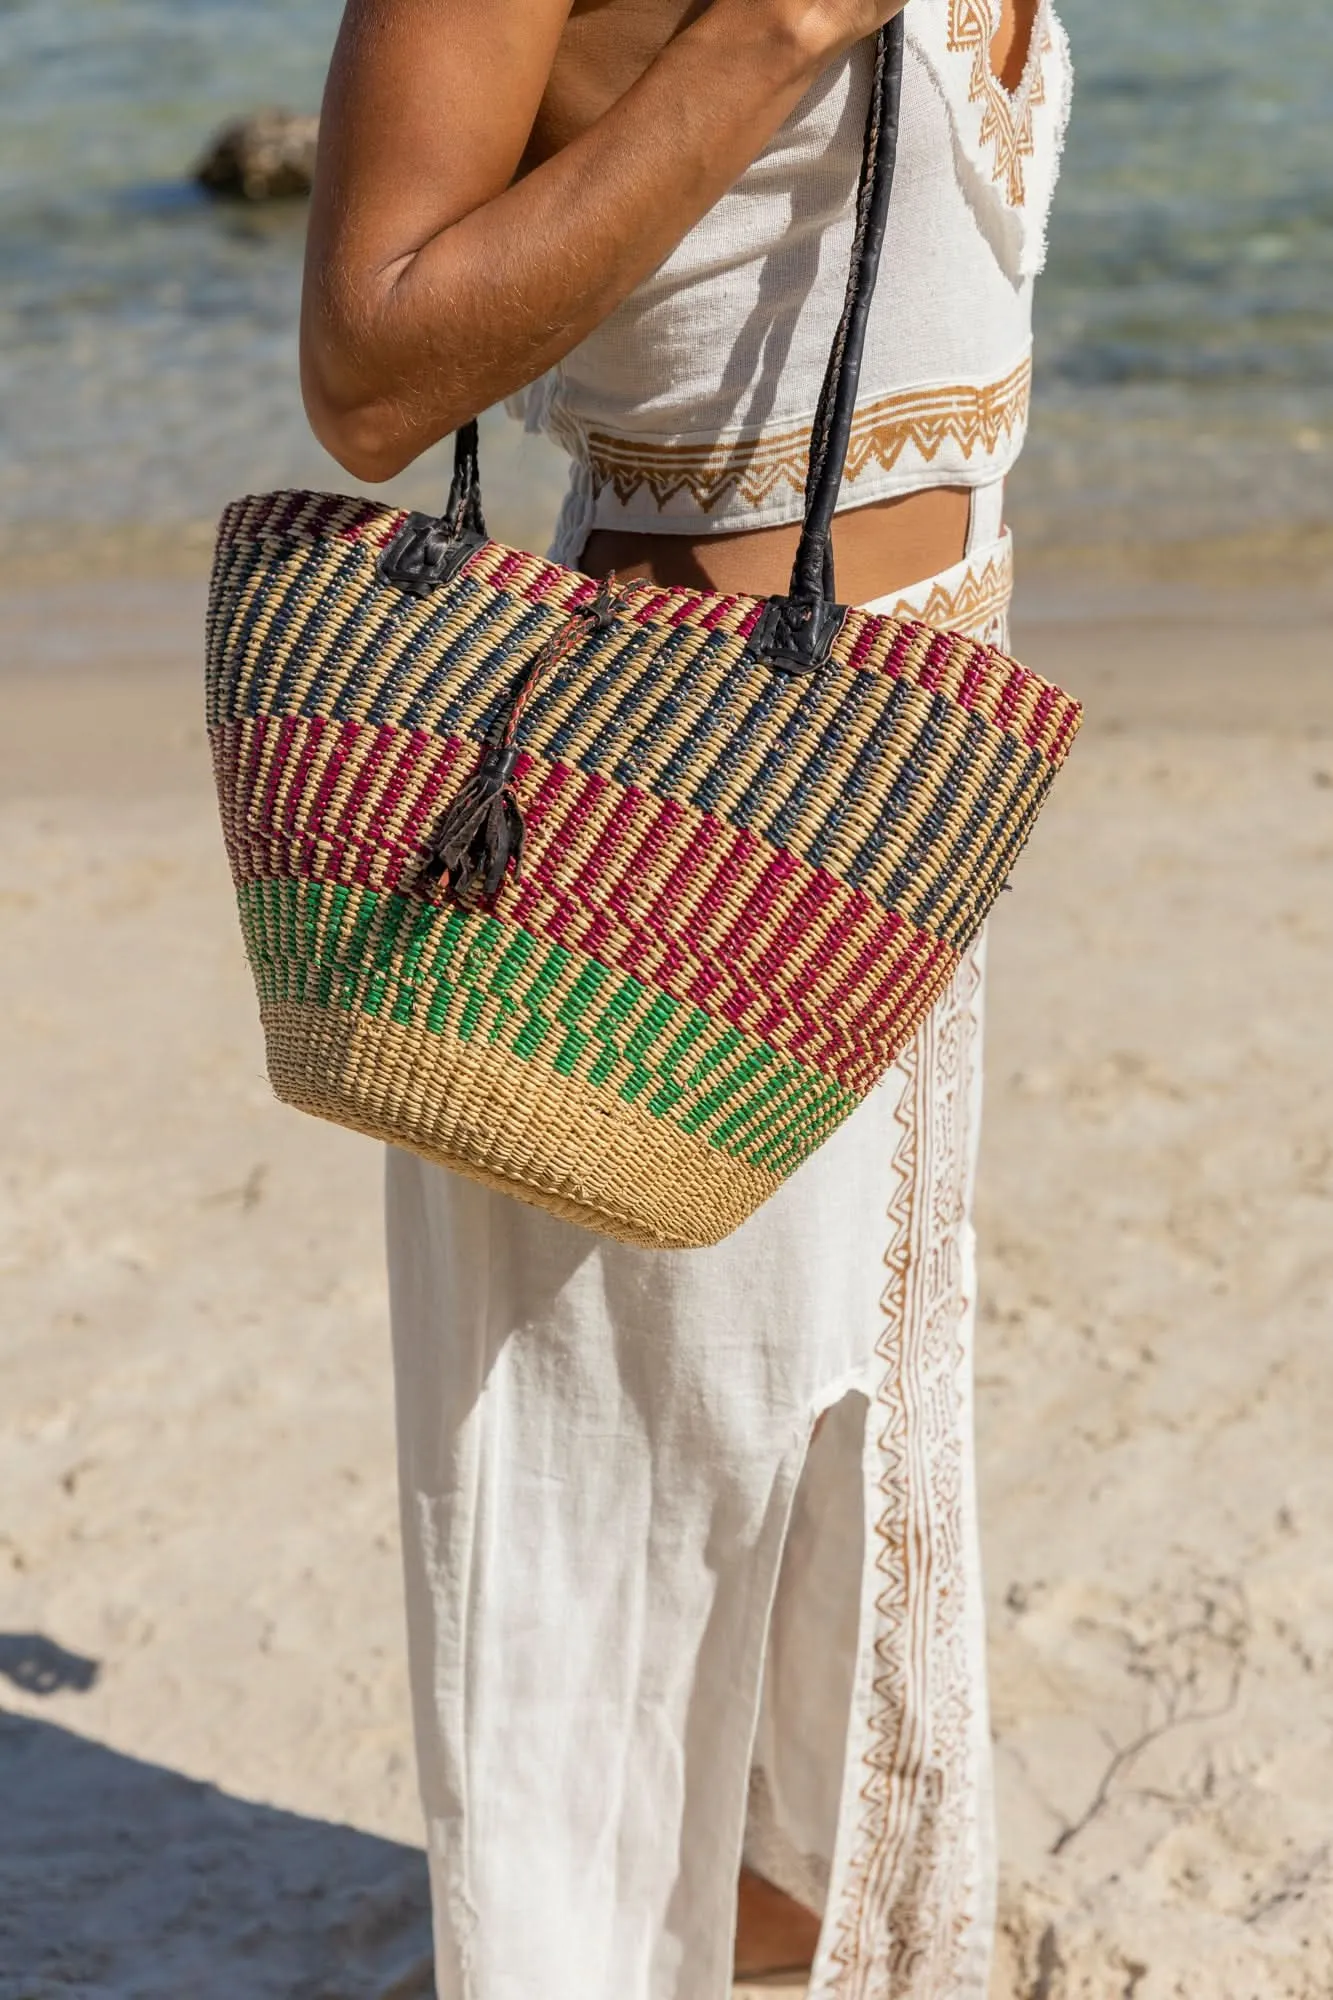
204,1739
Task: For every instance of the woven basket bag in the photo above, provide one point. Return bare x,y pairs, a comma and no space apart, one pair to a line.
617,898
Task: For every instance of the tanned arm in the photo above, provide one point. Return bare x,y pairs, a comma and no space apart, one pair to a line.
436,282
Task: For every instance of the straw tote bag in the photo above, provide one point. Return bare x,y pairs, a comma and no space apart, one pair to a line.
616,898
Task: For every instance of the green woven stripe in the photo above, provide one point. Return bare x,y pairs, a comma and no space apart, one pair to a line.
465,975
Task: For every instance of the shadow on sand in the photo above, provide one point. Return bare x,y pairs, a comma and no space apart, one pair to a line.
120,1880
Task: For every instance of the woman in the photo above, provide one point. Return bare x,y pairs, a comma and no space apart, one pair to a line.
693,1586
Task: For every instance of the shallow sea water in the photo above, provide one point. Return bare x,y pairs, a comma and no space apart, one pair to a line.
1185,324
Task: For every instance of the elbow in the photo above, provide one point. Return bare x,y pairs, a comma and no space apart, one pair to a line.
359,423
362,438
363,432
361,382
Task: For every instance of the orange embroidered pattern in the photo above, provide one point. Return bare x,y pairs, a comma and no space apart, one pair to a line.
910,1920
977,603
1006,120
974,417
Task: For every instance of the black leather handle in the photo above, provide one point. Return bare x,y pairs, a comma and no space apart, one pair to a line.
832,428
462,510
794,633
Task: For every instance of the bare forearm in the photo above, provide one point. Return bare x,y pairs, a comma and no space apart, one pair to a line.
401,348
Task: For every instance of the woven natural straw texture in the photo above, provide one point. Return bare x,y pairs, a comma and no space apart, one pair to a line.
740,890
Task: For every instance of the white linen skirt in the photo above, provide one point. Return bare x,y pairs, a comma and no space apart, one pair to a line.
657,1624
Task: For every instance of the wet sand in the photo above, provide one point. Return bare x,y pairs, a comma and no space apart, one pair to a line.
205,1751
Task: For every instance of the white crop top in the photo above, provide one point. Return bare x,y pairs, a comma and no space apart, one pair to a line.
688,409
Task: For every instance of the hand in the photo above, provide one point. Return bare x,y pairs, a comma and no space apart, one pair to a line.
830,27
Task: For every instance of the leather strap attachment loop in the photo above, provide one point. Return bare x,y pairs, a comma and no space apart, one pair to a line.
795,635
423,555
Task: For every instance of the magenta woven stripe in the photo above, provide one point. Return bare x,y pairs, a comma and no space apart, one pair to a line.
1041,715
864,646
624,868
938,655
541,585
1064,734
833,977
1007,706
973,682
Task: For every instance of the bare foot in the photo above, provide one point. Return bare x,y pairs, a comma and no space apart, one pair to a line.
774,1934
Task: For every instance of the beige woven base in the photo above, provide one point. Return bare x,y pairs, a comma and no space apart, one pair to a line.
554,1142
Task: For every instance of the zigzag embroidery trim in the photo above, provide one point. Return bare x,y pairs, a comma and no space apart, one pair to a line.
972,604
975,417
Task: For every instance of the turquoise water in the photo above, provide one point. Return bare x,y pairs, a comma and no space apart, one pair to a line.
1185,376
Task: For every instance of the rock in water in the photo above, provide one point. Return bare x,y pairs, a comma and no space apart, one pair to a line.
261,158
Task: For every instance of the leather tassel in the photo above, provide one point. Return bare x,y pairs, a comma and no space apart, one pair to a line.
480,837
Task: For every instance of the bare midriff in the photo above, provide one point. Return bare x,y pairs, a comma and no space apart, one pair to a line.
876,550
